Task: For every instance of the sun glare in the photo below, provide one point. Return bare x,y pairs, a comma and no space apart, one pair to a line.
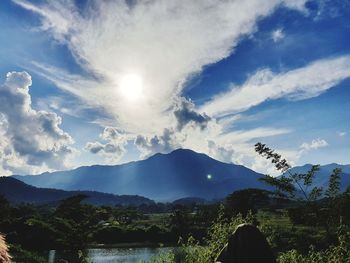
131,86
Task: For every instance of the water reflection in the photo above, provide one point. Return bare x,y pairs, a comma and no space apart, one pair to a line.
109,255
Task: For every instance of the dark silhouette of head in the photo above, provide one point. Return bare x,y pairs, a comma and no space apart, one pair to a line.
246,245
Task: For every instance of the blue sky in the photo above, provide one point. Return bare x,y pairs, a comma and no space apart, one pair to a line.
113,81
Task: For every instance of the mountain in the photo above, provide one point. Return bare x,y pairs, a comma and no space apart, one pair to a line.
16,192
162,177
322,176
190,201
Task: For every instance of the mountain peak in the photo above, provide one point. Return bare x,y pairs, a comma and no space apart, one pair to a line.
179,151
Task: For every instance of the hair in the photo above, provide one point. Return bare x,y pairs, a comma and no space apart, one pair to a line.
4,255
246,245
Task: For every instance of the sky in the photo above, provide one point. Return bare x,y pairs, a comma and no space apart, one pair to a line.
107,82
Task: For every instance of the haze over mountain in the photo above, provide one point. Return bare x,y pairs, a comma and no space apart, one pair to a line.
17,192
163,177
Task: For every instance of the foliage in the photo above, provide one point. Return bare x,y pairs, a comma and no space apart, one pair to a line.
23,255
280,164
288,184
245,201
4,208
74,222
217,236
179,221
339,253
334,184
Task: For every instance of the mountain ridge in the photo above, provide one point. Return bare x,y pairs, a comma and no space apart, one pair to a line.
161,177
16,191
321,178
179,174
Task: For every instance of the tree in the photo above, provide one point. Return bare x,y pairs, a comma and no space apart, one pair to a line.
179,221
243,201
289,184
75,222
4,209
326,213
333,190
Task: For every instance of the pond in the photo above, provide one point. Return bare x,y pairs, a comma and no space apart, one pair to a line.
116,255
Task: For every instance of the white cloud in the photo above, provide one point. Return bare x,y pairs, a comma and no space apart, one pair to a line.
298,84
164,143
62,105
314,145
277,35
31,140
341,133
164,42
113,149
296,4
186,114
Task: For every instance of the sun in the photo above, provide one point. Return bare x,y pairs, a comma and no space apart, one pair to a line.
131,86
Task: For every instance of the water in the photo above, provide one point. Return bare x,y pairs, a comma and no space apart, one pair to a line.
116,255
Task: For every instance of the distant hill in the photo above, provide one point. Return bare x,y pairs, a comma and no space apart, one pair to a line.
18,192
190,201
162,177
322,176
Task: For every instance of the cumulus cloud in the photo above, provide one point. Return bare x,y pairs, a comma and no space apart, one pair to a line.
113,149
164,143
31,140
277,35
222,153
185,114
298,84
314,145
164,42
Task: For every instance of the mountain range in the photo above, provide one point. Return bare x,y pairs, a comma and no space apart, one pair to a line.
168,177
322,176
17,192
